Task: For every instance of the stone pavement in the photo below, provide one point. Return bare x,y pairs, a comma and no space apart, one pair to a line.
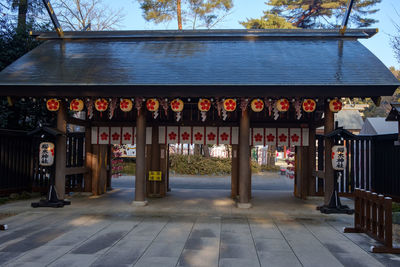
187,228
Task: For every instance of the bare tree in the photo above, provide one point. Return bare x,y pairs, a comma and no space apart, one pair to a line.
77,15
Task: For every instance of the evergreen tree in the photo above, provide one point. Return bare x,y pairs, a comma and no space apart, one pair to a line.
313,14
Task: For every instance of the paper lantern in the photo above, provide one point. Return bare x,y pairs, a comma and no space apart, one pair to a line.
126,105
204,104
53,104
101,104
335,105
309,105
282,105
257,105
76,105
152,104
177,105
230,104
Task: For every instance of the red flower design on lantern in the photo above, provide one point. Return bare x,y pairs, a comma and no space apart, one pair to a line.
198,136
333,155
104,136
257,105
282,138
204,104
115,136
295,138
101,104
177,105
335,105
270,138
282,105
309,105
152,104
76,105
185,136
172,136
53,104
52,151
211,136
126,105
224,136
230,104
127,136
258,137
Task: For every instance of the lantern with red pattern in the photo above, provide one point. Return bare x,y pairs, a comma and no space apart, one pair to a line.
53,104
282,105
152,104
335,105
76,105
204,104
229,104
126,105
257,105
177,105
101,104
309,105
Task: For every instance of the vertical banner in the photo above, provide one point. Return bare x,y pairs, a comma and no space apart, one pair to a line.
162,135
95,137
270,137
186,134
128,135
224,135
295,137
198,135
172,135
306,136
211,135
104,135
283,136
235,135
257,136
149,133
116,135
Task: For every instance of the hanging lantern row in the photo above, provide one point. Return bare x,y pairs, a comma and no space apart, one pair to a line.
204,105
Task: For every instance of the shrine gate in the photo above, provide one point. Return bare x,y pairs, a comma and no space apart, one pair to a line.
236,87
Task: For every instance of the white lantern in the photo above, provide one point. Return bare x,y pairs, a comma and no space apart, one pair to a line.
46,154
339,158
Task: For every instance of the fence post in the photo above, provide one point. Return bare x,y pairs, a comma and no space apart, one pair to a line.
388,222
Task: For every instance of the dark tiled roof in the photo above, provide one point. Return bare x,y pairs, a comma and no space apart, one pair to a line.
394,114
236,63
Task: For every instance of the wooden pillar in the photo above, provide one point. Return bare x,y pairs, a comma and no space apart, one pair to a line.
164,169
156,189
88,160
140,181
312,162
235,172
109,167
329,173
244,155
61,151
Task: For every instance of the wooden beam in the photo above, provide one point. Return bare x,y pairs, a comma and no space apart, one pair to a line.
329,173
244,166
312,150
76,170
140,181
234,172
61,152
79,122
88,160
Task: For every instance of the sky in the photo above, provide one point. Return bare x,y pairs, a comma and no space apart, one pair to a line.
379,44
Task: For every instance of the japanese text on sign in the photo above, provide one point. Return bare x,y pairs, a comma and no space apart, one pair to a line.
339,158
46,154
155,176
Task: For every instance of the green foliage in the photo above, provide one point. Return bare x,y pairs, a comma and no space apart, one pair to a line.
313,14
199,165
195,13
129,167
395,207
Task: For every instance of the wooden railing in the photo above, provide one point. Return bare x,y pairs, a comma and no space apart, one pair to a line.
373,216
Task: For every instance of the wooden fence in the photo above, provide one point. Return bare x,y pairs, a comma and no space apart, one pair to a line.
372,164
74,180
373,216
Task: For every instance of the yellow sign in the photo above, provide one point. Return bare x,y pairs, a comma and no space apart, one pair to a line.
155,176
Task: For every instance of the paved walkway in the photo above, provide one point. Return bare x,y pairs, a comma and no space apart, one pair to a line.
188,228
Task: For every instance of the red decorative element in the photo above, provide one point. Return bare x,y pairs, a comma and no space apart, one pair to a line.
172,136
75,105
230,105
333,155
224,136
198,136
282,138
152,105
309,105
101,104
177,105
52,151
185,136
336,105
204,105
211,136
295,138
258,137
270,138
104,136
115,136
127,136
284,104
53,104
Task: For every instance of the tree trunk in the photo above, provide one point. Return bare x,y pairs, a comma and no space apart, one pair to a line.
179,14
271,156
197,149
22,11
206,151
